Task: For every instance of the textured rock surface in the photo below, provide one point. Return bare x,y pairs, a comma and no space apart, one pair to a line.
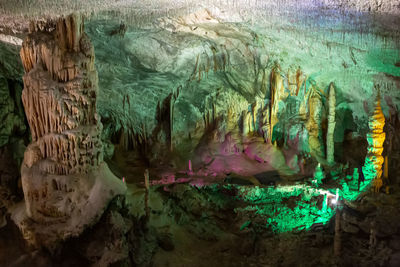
66,184
223,70
13,129
11,116
12,124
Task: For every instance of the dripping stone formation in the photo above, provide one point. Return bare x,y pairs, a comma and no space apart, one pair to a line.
65,181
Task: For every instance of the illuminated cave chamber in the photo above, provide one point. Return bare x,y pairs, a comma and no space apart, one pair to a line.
235,130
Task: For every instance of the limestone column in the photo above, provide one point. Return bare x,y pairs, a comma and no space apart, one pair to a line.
330,147
66,183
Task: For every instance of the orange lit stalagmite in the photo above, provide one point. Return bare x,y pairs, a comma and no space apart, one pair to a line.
376,137
66,183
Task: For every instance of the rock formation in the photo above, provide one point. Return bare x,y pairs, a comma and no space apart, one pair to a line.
314,122
165,119
376,137
330,146
247,125
66,184
278,96
265,125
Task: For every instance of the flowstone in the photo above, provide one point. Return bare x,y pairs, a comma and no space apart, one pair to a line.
66,183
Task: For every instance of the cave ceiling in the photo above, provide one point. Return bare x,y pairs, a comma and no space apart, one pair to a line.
225,48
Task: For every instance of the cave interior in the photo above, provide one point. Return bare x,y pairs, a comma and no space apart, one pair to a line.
219,133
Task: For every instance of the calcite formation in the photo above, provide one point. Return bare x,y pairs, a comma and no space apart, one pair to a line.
313,125
66,184
255,119
265,123
376,137
331,125
278,97
165,119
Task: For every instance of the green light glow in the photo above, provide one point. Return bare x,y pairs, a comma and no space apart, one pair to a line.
294,207
287,208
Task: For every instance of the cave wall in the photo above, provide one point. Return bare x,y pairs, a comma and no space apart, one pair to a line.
224,69
14,132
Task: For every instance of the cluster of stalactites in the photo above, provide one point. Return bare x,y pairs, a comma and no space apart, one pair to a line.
264,117
47,45
59,96
50,110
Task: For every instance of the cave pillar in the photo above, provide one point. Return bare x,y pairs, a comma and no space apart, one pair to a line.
330,146
66,183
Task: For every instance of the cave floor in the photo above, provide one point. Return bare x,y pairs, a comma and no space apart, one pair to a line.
215,225
255,207
194,232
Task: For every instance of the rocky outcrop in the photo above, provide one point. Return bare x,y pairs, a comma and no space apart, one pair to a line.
66,184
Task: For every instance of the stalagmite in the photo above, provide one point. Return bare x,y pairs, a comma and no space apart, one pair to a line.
66,184
376,137
190,167
330,146
318,175
146,179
